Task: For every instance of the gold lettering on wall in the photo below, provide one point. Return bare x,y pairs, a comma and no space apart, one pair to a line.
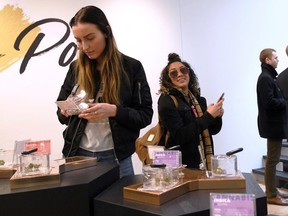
13,21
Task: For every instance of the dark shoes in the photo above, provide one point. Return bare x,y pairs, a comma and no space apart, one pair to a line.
278,200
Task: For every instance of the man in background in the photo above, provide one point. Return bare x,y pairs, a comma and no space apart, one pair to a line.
282,80
272,119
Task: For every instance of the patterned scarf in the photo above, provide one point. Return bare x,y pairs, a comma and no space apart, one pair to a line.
205,141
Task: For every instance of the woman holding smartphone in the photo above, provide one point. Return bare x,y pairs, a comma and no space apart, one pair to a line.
192,123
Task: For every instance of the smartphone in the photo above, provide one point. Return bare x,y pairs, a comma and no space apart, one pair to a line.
222,95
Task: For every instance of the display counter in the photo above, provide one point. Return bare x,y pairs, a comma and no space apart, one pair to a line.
111,201
73,196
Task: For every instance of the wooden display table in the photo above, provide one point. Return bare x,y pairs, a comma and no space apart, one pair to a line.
193,180
112,201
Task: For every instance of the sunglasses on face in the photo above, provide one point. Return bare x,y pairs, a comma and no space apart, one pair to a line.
174,73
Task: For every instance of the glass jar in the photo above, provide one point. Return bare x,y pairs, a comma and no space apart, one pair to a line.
224,166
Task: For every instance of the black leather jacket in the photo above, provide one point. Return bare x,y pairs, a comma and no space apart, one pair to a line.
134,113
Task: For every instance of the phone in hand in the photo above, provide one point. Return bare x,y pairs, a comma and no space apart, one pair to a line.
222,95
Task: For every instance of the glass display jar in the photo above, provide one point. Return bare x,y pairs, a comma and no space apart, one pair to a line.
34,164
224,166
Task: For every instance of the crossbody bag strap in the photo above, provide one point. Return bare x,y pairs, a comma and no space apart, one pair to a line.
174,100
176,105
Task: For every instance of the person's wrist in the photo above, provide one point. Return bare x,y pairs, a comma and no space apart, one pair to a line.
115,111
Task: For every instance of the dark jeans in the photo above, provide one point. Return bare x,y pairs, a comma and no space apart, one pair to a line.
273,158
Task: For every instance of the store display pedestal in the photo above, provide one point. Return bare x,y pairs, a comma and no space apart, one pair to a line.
73,196
112,201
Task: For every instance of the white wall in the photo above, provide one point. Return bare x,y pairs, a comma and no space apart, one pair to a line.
221,39
142,30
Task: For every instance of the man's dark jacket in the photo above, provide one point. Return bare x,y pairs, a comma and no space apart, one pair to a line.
272,118
282,82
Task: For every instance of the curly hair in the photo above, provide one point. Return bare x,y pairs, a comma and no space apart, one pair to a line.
166,83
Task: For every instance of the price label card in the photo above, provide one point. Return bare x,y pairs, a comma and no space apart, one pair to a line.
170,158
232,204
43,146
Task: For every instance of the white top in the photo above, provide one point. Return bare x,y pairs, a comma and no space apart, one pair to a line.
97,136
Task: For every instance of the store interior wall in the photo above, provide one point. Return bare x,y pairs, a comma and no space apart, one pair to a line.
220,39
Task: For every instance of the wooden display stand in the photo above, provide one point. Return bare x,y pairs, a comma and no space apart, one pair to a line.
6,173
76,162
19,181
60,167
193,180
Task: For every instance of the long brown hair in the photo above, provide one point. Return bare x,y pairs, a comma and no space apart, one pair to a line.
111,71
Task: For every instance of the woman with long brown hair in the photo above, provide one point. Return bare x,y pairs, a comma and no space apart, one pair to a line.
115,89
